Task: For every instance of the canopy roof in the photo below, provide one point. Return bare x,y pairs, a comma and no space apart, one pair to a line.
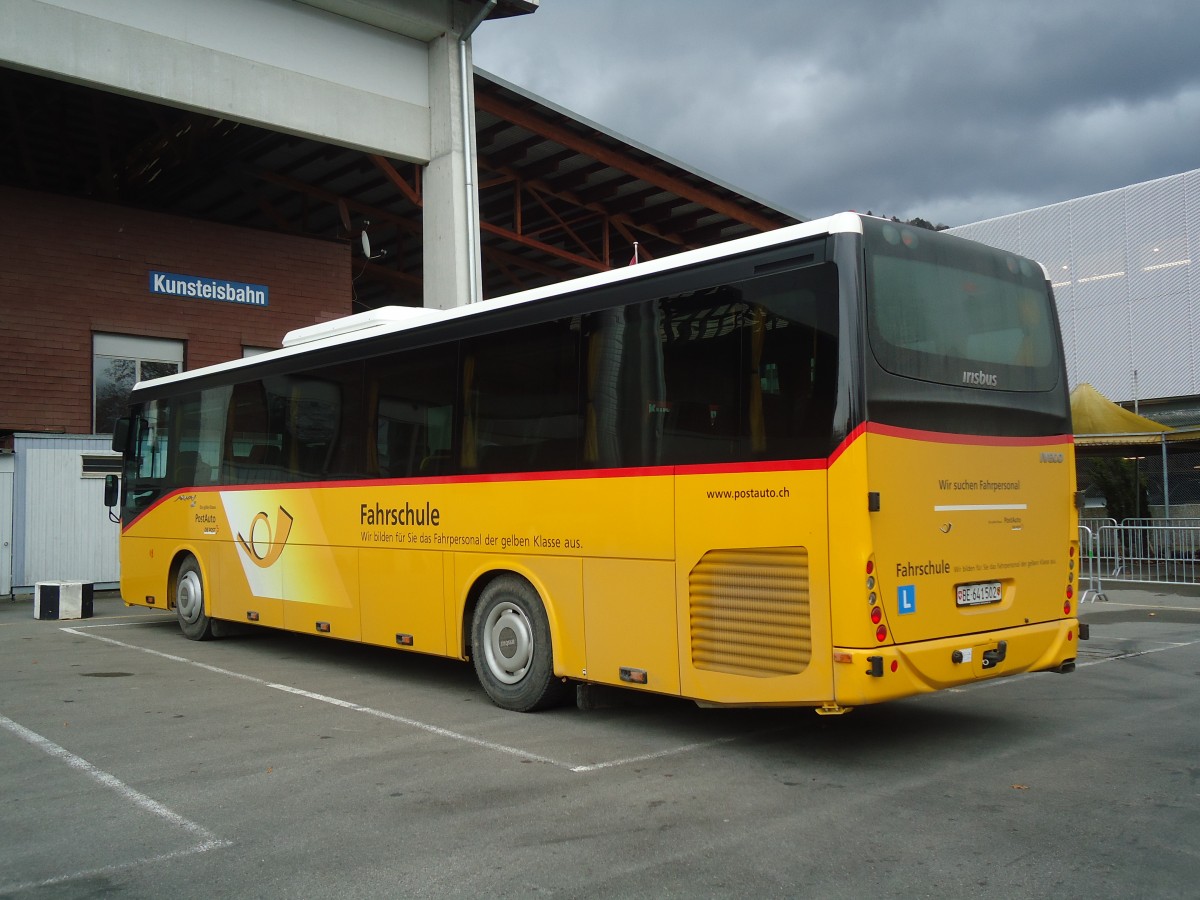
1097,420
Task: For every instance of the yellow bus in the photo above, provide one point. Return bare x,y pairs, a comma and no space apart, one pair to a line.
826,466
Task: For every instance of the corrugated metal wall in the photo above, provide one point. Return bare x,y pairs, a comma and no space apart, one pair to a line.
60,524
1127,290
6,522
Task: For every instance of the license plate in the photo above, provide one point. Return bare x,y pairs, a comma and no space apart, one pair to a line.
977,594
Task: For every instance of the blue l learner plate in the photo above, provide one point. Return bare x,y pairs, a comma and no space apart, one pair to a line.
979,594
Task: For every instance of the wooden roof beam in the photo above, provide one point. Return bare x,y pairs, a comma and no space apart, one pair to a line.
389,172
570,197
622,161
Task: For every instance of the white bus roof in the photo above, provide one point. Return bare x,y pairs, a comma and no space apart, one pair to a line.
394,319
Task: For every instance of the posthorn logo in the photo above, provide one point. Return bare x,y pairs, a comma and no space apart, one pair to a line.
265,544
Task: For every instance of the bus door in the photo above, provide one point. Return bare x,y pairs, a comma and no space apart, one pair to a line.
251,576
281,567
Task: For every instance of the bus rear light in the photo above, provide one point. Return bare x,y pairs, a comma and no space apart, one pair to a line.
1067,608
841,656
881,633
870,566
1070,636
876,615
895,667
1070,592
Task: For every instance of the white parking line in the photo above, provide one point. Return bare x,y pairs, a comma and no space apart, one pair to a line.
405,720
1136,653
645,757
208,841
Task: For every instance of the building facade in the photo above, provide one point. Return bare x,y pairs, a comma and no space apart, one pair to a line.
94,297
1128,293
1122,264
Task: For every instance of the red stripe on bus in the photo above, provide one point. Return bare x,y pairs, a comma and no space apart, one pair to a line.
849,439
778,465
783,465
978,440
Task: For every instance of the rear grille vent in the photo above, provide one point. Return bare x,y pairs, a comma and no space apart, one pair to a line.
749,611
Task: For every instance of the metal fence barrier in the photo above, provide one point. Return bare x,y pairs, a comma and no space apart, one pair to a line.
1090,584
1152,551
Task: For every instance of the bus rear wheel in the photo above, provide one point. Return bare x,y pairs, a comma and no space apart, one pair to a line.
189,601
511,648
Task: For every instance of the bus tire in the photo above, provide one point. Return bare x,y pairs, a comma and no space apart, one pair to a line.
511,647
189,601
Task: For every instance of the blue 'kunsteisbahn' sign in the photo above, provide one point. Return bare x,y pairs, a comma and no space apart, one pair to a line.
190,286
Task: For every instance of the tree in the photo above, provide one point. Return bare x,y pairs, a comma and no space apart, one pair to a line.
1122,485
916,222
923,223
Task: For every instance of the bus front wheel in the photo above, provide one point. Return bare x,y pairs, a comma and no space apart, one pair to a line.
511,649
189,601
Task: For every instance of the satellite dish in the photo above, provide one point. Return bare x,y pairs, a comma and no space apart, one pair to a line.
366,244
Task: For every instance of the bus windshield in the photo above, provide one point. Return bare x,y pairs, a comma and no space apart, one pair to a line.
957,313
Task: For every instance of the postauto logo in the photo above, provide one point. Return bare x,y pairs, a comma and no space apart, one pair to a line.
265,543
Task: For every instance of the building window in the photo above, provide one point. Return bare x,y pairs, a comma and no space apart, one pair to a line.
98,466
119,362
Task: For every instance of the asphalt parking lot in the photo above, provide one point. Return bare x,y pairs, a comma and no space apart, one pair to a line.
136,763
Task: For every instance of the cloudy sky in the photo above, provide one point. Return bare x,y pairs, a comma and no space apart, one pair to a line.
951,110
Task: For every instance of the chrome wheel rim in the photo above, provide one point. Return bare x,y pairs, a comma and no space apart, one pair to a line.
189,596
507,643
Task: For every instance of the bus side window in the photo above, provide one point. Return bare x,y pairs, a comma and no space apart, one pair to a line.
410,400
522,409
146,460
310,413
704,337
153,441
749,369
199,422
793,368
253,445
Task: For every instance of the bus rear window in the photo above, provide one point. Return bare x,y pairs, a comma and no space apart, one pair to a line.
959,313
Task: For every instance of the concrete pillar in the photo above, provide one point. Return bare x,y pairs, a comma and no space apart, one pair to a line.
451,258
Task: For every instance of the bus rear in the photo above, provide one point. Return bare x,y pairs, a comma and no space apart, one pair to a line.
952,521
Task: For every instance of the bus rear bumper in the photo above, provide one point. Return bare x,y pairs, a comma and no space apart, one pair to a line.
903,670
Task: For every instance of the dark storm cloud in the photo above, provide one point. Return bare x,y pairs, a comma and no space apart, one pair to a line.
952,110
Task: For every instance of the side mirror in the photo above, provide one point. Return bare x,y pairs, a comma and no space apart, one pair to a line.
120,438
112,490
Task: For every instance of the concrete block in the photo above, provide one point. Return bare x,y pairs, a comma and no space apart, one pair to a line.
62,600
